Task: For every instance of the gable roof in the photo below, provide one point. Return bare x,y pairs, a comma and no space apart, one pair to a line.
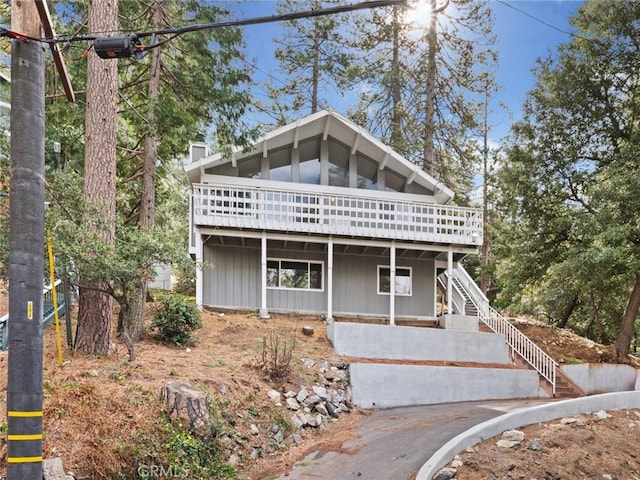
329,123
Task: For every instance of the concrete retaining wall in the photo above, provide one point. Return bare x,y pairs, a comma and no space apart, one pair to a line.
414,343
377,385
602,378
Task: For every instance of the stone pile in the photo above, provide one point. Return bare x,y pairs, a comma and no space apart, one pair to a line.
314,405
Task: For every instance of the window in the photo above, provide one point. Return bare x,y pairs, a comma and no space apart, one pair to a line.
367,174
280,165
309,167
250,168
403,280
393,182
294,274
338,165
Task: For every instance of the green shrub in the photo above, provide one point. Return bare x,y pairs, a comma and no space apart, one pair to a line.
175,319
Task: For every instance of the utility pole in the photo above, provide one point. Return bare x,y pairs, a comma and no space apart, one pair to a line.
26,245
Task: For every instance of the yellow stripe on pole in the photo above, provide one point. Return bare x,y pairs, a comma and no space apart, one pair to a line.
55,297
24,459
36,436
15,413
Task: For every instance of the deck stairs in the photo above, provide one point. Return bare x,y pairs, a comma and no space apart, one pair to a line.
525,353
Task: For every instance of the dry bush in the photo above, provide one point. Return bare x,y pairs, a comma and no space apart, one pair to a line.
277,350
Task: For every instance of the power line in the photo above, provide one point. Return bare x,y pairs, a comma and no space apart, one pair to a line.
132,47
544,22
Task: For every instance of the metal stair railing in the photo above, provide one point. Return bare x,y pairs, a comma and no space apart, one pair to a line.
47,311
518,341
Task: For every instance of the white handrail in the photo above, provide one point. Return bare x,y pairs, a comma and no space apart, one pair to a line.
518,341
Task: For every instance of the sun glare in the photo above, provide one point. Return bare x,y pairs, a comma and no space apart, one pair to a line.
419,13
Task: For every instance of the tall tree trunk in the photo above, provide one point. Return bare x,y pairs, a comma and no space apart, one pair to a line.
93,335
627,327
133,322
396,96
429,119
602,334
315,75
484,257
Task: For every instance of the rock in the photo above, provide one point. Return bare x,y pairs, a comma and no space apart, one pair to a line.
290,394
607,477
187,403
253,429
331,409
602,415
445,474
278,437
513,435
93,373
274,395
308,330
234,460
568,421
506,443
308,362
293,404
302,395
320,391
312,400
297,422
256,453
534,446
457,462
52,470
320,408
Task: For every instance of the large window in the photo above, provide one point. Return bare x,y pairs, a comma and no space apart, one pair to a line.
367,174
294,274
403,280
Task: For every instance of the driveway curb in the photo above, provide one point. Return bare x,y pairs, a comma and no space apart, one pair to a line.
523,417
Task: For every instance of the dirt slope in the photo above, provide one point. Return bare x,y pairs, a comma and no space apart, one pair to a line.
96,407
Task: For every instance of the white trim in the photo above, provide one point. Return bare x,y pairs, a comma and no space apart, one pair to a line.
264,312
296,260
337,126
330,279
199,246
336,240
222,180
397,268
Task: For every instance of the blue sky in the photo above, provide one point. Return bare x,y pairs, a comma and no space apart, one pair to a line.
520,41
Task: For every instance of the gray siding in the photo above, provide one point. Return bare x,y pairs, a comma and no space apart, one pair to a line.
355,289
232,277
233,280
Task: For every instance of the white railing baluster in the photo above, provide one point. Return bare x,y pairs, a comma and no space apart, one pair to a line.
519,342
363,214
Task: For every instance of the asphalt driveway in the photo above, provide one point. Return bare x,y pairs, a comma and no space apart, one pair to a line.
393,444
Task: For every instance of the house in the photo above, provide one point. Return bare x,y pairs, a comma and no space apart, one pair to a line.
320,217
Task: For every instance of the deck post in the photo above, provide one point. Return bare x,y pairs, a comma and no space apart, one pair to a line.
392,284
330,280
199,244
264,313
450,282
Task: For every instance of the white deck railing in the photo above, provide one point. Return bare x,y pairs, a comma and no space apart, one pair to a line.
334,214
518,341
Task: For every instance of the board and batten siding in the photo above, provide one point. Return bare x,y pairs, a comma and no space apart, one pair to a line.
355,287
232,279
